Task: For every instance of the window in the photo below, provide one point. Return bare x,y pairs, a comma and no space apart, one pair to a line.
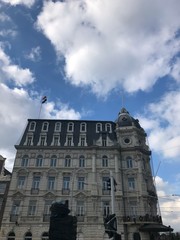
56,141
39,161
45,126
108,127
98,127
82,140
105,183
32,126
32,208
80,208
105,161
83,127
129,162
70,127
21,182
69,140
2,187
47,206
81,161
51,183
15,207
45,236
53,161
24,161
29,140
106,208
58,127
80,183
11,236
42,141
133,208
36,182
67,161
131,183
104,142
28,236
66,183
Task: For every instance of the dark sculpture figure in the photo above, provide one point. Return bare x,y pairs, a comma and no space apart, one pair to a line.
62,226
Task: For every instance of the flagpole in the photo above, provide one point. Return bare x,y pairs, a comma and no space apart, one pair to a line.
40,111
43,100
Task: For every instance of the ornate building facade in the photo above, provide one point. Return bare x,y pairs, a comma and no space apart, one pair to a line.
71,160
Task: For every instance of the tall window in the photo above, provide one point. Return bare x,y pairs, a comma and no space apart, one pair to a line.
66,183
133,208
56,141
98,127
106,208
32,126
15,207
105,183
81,161
129,162
21,182
24,161
45,126
36,182
67,161
82,140
131,183
70,127
80,208
32,207
83,127
51,183
39,161
29,140
47,206
57,127
69,140
81,183
105,161
42,140
53,161
108,127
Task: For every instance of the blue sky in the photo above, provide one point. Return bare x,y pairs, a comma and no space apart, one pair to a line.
86,56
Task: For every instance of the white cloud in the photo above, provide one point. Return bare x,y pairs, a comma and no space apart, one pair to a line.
162,122
34,55
27,3
169,204
12,72
108,44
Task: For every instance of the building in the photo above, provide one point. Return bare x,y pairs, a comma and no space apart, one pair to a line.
5,177
71,160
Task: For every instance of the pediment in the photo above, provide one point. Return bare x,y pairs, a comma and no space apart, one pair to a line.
18,195
80,195
49,195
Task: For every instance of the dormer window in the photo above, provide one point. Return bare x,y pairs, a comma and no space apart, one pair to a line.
57,127
108,127
45,126
98,127
83,127
70,127
32,126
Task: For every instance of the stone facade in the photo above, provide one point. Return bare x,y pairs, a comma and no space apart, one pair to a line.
71,160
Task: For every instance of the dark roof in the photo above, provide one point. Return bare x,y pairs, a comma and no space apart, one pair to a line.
155,228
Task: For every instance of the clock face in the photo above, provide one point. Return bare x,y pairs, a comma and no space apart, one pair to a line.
127,140
124,119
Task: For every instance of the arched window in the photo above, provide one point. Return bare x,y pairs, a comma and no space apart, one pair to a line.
70,127
136,236
24,161
108,127
81,161
67,161
57,127
105,161
98,127
11,236
32,126
45,236
53,161
45,126
83,127
28,236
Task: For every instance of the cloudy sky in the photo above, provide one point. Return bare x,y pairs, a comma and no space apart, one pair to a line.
90,58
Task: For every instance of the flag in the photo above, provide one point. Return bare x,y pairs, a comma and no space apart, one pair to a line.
44,99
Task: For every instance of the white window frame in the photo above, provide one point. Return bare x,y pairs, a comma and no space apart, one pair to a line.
53,161
57,127
83,127
67,162
32,128
70,127
21,182
98,127
80,208
45,126
131,183
51,183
